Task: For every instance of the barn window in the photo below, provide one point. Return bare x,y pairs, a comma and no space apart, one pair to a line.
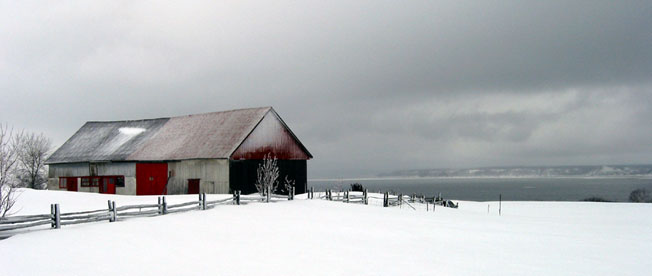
90,181
85,182
62,183
120,181
117,180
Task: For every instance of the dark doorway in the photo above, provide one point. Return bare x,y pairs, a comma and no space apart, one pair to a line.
193,186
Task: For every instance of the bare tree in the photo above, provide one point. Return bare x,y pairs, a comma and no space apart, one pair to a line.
32,152
288,184
8,159
267,175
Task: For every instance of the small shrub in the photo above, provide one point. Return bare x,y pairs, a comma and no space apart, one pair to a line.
357,187
596,199
640,195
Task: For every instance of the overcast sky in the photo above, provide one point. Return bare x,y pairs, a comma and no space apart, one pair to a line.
368,86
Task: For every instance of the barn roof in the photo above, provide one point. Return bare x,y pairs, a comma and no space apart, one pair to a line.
201,136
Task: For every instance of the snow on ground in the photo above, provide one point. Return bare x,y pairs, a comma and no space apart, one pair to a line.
319,237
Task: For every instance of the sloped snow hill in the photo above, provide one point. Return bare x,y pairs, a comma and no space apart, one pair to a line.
317,237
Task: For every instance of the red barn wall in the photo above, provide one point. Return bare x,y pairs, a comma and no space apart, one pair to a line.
270,136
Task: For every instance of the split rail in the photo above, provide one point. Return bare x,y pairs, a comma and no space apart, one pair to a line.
113,213
388,200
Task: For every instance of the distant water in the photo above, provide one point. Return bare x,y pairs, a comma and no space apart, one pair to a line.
488,189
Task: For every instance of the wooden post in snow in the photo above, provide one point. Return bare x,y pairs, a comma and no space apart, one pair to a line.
500,204
200,205
53,213
366,201
237,198
203,203
56,216
160,206
165,206
386,199
312,193
111,211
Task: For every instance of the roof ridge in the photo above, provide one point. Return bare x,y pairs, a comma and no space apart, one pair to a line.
123,121
187,115
223,111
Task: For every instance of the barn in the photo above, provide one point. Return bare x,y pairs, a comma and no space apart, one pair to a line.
215,152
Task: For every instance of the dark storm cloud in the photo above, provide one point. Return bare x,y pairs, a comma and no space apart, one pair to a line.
367,85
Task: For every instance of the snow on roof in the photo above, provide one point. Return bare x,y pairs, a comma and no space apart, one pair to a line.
106,141
209,135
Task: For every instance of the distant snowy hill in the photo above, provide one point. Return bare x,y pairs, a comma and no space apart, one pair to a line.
561,171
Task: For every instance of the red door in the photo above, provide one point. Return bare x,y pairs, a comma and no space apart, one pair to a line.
108,185
151,178
193,186
71,184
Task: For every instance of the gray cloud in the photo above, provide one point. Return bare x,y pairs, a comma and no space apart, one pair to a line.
367,85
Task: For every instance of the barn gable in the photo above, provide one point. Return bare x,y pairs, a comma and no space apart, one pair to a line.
271,135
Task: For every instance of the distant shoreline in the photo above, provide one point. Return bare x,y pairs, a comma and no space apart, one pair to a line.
482,177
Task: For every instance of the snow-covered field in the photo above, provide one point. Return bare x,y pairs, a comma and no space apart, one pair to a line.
317,237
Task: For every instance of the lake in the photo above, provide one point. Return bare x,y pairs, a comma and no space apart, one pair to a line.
488,189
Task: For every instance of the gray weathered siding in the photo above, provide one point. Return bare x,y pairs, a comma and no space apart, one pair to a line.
126,169
213,175
68,170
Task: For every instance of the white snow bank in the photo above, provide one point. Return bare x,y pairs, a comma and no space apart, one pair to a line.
318,237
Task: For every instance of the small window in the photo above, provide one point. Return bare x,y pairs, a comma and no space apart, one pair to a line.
95,182
85,182
120,181
62,183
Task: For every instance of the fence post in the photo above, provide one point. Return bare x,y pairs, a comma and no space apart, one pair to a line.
365,197
160,206
56,218
203,203
199,202
500,204
52,215
237,197
312,193
115,211
111,211
385,199
165,206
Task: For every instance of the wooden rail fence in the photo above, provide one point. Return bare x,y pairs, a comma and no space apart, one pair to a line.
56,218
389,200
